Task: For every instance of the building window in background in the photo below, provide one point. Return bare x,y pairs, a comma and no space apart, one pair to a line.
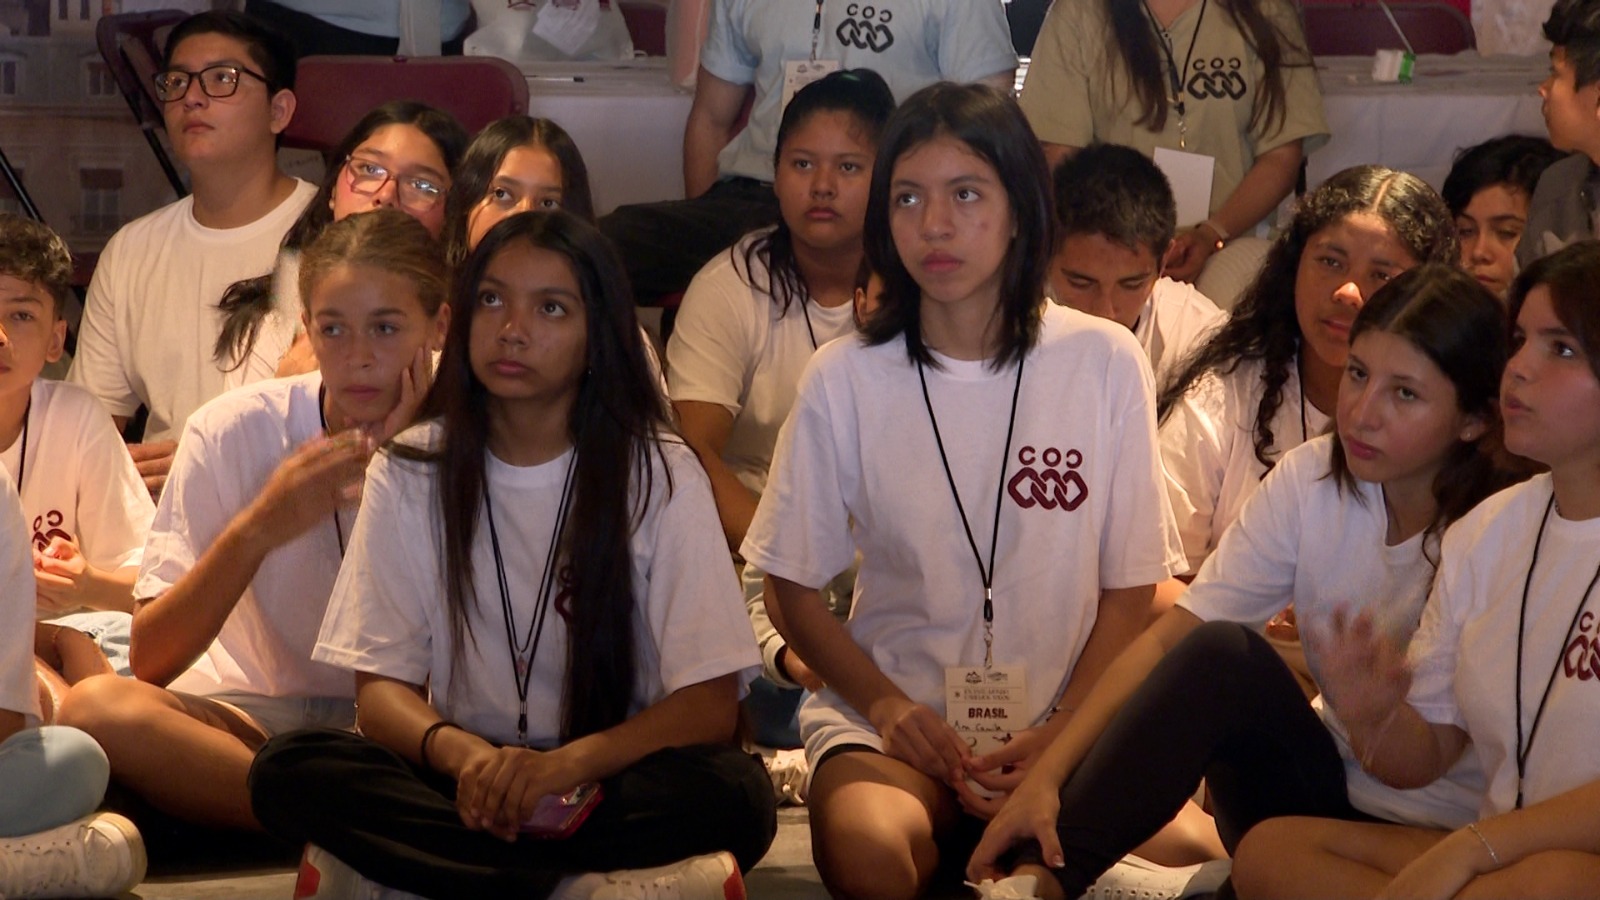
101,204
98,81
9,77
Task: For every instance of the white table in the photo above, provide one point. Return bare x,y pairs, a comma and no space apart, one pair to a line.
1452,103
627,120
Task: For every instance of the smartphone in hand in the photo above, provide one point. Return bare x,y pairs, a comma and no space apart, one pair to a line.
557,816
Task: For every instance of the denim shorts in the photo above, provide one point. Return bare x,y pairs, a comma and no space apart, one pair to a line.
277,715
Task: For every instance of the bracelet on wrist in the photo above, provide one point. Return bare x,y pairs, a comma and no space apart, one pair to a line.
427,735
1221,233
1495,857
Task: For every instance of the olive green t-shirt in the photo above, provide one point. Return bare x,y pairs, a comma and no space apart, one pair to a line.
1078,92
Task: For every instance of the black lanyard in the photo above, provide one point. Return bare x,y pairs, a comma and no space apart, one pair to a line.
322,416
985,574
816,30
1525,747
523,652
1175,76
806,311
22,463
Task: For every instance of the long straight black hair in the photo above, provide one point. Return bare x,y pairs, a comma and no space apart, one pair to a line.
616,423
1460,327
994,129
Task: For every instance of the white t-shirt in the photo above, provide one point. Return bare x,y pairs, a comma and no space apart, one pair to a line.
1083,509
150,323
734,347
81,484
911,43
18,690
1294,542
1465,653
388,614
1176,319
230,447
1208,449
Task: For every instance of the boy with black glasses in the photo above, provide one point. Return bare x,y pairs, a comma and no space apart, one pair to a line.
150,322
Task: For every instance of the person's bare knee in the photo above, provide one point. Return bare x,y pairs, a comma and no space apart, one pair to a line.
874,822
1191,837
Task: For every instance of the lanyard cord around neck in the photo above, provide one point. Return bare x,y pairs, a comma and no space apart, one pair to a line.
805,310
986,575
1525,747
1176,76
816,30
523,651
22,462
322,416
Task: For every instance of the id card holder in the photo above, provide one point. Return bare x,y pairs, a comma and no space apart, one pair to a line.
797,73
986,706
1190,175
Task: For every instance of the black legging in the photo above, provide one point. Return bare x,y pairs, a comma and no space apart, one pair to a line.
397,824
1221,706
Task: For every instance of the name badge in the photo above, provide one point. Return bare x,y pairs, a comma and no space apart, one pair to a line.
986,706
799,73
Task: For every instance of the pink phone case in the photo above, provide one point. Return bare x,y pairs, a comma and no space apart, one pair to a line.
557,816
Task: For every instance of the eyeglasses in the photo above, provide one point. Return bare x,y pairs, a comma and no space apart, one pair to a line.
414,192
216,81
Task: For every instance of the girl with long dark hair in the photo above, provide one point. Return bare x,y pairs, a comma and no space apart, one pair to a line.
1010,527
751,320
531,607
1268,380
1501,671
1355,518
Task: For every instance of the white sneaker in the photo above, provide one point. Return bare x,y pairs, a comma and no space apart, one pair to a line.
789,774
714,876
1014,887
324,876
101,855
1134,878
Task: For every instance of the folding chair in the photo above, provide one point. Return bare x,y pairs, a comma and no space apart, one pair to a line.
332,93
131,45
1360,28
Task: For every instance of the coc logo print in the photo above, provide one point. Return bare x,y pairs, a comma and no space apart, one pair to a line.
1053,484
47,528
1219,78
866,27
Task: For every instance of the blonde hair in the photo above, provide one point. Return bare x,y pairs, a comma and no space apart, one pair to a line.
387,240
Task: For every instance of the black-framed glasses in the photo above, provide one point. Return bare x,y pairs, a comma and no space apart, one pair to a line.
216,81
414,192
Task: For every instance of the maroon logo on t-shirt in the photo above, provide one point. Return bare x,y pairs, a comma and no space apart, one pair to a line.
1582,657
1054,484
48,527
564,591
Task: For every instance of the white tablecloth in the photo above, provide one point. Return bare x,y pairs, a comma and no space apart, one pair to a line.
626,119
1452,103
